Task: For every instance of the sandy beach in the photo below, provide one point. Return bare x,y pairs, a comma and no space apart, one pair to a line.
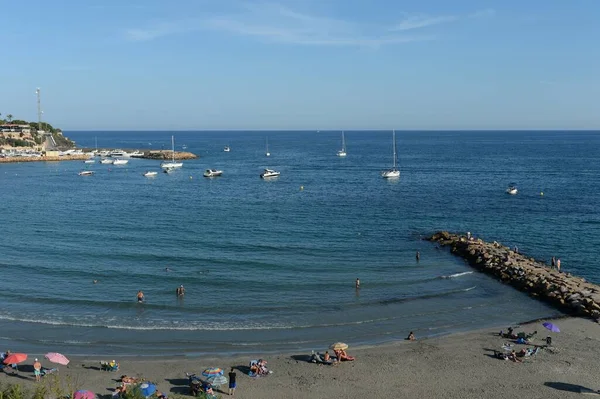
455,366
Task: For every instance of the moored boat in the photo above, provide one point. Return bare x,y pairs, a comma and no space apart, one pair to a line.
269,173
212,173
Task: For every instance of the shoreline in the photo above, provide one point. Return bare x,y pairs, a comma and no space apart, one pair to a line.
461,364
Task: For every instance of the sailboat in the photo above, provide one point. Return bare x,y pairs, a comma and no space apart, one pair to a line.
394,172
267,153
342,152
172,164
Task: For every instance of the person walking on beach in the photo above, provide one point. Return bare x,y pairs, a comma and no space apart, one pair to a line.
418,256
37,370
232,384
180,291
553,263
357,283
140,296
558,264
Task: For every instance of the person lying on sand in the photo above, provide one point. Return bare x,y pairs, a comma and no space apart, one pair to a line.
129,380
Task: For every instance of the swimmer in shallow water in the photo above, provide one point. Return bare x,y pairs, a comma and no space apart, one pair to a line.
140,296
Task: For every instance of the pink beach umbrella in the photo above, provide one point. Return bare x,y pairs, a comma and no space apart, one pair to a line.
84,395
57,358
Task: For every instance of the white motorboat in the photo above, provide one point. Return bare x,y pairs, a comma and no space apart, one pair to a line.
212,173
86,173
267,153
342,152
226,149
117,153
512,189
120,161
104,153
136,154
89,161
172,164
150,174
269,173
106,161
394,172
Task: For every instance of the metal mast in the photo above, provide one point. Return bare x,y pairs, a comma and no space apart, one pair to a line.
39,108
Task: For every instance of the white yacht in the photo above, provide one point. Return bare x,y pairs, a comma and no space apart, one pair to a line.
120,161
136,154
106,161
104,153
342,152
269,173
226,149
394,172
172,164
117,153
150,174
86,173
89,161
212,173
512,189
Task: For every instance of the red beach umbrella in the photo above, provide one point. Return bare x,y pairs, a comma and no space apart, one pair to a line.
15,358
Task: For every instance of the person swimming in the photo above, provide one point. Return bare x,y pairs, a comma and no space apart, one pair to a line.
140,296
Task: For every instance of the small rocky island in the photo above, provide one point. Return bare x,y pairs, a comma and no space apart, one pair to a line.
568,293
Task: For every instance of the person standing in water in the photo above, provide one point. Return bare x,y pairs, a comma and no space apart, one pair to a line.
357,283
180,291
418,256
140,296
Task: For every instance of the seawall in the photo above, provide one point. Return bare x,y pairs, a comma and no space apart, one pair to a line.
568,293
44,159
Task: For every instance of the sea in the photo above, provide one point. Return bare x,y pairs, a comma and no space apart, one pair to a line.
270,265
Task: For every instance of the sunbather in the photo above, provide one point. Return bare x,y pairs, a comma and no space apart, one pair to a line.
514,358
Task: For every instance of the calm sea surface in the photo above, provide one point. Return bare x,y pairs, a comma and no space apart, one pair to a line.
269,266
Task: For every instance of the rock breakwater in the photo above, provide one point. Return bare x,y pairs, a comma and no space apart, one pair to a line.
569,293
167,154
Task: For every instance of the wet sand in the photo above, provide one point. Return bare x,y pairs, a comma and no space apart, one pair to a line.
455,366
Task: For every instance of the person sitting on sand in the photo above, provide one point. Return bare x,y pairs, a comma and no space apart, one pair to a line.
254,369
411,337
128,380
343,356
514,358
326,357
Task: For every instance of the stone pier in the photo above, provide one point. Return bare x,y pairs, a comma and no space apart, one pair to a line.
568,293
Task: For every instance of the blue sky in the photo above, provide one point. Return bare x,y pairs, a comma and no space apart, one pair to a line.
303,64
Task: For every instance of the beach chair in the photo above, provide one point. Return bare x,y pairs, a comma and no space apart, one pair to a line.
106,366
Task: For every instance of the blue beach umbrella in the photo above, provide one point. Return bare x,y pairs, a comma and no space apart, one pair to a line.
551,327
218,380
147,389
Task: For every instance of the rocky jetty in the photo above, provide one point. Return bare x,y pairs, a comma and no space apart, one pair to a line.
569,293
44,159
168,154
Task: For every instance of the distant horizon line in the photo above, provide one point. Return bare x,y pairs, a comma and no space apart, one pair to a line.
336,130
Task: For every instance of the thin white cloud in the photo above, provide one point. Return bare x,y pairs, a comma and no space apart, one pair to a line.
418,21
277,23
422,21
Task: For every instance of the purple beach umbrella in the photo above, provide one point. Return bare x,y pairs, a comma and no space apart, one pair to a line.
551,327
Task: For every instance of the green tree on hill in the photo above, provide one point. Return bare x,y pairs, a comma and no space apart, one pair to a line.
9,117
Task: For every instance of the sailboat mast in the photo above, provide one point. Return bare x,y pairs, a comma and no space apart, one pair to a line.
394,139
173,148
343,142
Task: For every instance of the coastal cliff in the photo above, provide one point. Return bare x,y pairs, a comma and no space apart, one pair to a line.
568,293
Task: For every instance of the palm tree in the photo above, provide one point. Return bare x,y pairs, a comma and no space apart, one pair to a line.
9,117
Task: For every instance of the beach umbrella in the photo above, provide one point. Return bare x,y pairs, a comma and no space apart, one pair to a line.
147,388
217,380
57,358
83,394
339,346
551,327
212,372
15,358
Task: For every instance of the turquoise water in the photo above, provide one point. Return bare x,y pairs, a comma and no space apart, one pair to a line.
269,266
